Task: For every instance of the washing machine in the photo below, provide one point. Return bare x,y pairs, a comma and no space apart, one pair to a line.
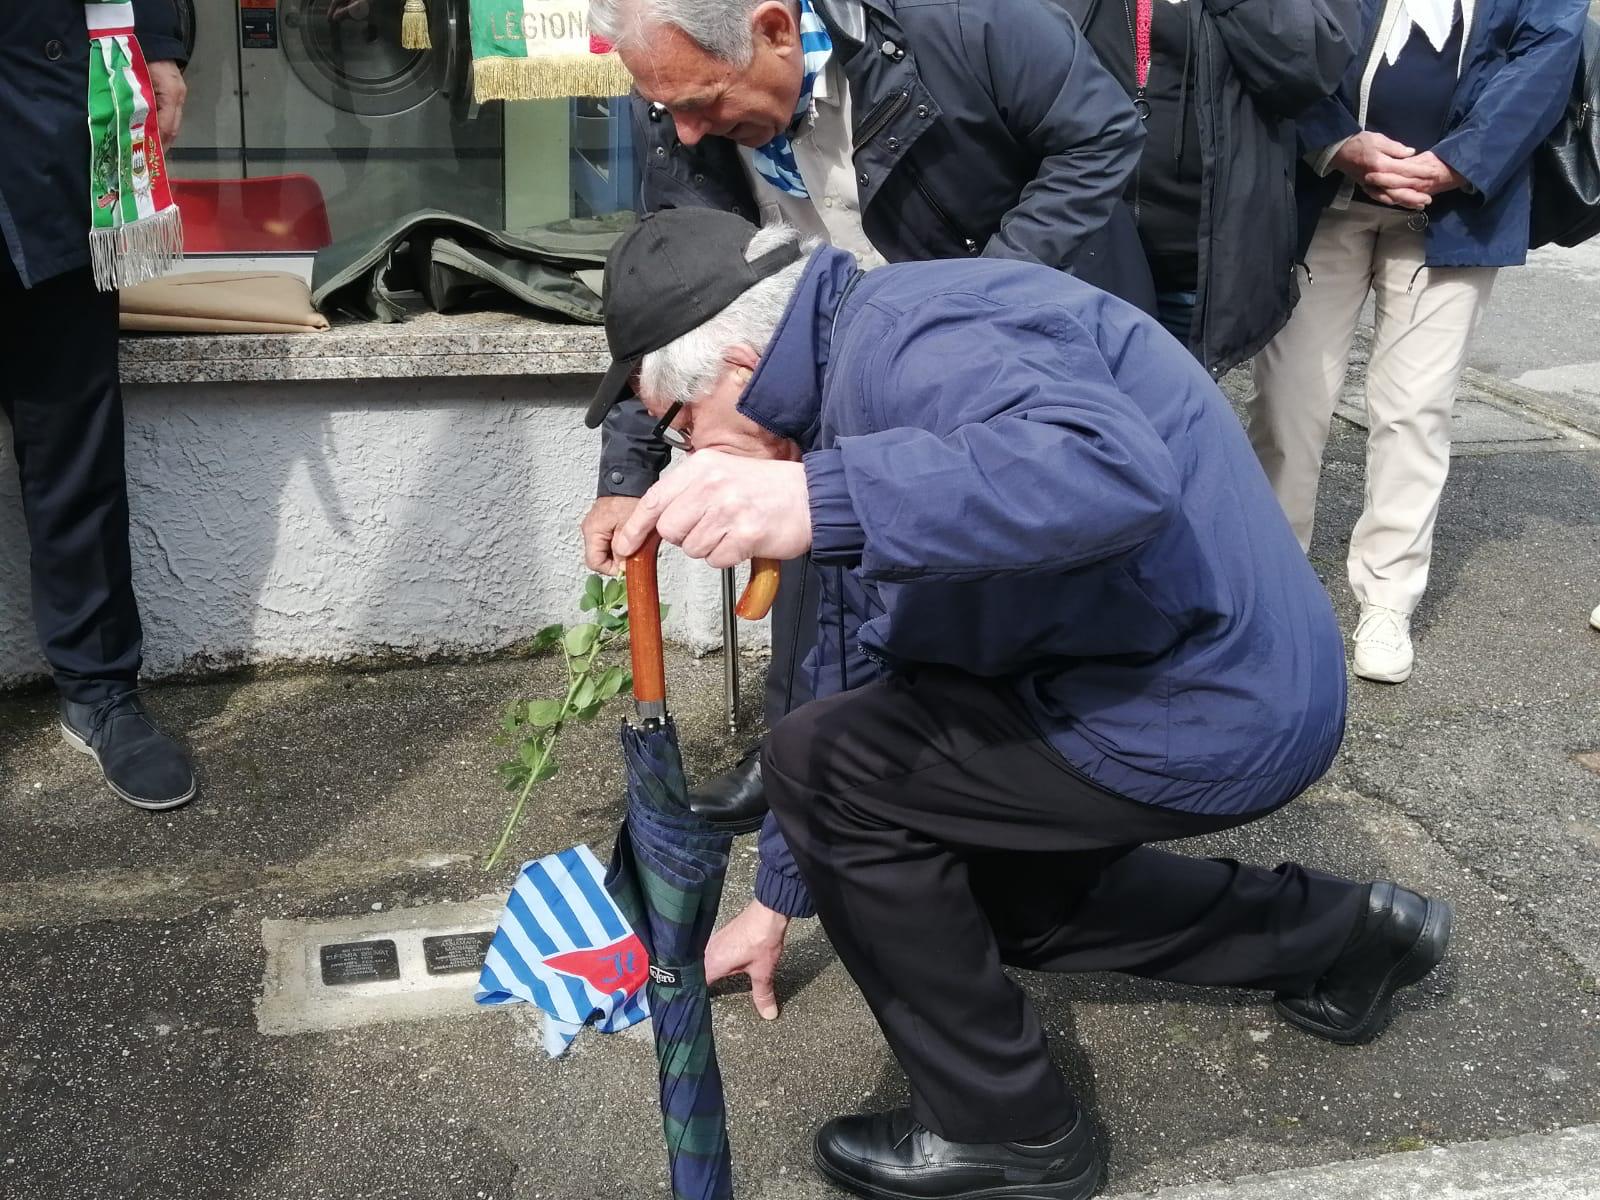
324,88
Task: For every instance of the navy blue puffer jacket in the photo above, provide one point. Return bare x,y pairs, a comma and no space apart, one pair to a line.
1019,476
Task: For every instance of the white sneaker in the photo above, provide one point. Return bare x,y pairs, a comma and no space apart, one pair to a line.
1383,645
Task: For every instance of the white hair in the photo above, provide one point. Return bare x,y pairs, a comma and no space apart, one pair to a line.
684,370
719,27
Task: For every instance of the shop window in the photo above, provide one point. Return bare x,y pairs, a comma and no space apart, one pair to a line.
307,121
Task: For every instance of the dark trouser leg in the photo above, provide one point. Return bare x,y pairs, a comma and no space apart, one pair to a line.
60,393
794,632
1149,912
904,802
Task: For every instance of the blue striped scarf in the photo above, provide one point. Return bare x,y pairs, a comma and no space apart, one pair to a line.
776,160
564,945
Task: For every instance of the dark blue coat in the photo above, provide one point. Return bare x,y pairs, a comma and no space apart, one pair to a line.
1022,477
44,127
1516,75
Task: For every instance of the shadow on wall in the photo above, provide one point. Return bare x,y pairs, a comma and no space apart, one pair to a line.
320,521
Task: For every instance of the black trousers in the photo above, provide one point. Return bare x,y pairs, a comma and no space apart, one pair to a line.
60,394
941,837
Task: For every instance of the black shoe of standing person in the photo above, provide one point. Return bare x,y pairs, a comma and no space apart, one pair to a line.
1399,938
735,800
890,1156
141,764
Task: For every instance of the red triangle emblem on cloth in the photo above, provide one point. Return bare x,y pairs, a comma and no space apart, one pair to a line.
621,966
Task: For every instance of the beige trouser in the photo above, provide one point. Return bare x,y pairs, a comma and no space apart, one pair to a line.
1424,318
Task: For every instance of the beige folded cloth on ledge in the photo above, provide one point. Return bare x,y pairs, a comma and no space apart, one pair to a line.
222,302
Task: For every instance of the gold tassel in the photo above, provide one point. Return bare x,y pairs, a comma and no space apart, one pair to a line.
414,26
548,78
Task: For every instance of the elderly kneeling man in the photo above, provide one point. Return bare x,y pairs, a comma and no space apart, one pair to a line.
1062,617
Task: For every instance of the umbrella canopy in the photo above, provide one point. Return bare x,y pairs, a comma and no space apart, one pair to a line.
666,876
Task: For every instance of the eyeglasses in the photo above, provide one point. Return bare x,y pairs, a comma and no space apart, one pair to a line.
667,434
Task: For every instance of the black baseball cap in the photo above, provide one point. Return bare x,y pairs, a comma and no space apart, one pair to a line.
671,273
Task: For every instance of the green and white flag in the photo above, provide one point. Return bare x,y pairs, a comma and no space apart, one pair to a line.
135,232
540,50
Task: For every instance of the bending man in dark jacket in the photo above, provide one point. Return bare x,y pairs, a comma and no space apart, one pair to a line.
1062,617
895,131
58,338
1218,88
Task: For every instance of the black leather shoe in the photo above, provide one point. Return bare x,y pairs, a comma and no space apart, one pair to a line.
1399,939
734,800
889,1156
141,764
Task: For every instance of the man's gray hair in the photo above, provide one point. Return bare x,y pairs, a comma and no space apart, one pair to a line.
684,370
720,27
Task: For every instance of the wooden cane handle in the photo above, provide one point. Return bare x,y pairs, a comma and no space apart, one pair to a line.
644,624
761,591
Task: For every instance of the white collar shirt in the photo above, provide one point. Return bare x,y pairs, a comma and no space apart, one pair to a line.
823,152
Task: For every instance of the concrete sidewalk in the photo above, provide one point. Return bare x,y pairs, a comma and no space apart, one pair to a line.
132,952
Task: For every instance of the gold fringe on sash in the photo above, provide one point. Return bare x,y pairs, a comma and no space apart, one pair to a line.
552,77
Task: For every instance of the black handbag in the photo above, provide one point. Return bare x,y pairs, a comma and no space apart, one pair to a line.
1566,166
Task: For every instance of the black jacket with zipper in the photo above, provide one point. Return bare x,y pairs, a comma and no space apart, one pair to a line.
980,127
1257,64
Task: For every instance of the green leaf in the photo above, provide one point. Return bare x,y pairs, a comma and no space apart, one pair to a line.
614,593
665,609
528,752
613,622
610,683
590,713
546,638
510,719
584,696
546,770
580,639
594,590
544,713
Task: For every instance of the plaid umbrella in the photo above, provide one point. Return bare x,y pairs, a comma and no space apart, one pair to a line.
666,876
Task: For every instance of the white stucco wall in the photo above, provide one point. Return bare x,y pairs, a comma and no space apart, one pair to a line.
314,521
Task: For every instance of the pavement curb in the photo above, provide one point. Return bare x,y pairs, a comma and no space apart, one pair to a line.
1551,1166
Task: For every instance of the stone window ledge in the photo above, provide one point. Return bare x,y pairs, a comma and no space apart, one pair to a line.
427,345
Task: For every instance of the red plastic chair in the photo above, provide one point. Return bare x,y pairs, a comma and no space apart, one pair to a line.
267,213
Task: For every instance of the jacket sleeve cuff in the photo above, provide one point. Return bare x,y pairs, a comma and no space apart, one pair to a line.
1450,153
159,48
155,24
1322,160
786,894
624,479
836,533
630,460
1326,124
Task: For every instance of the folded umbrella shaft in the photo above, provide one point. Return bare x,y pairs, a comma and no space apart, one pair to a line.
666,874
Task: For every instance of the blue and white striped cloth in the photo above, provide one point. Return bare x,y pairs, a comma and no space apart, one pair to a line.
775,160
563,945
